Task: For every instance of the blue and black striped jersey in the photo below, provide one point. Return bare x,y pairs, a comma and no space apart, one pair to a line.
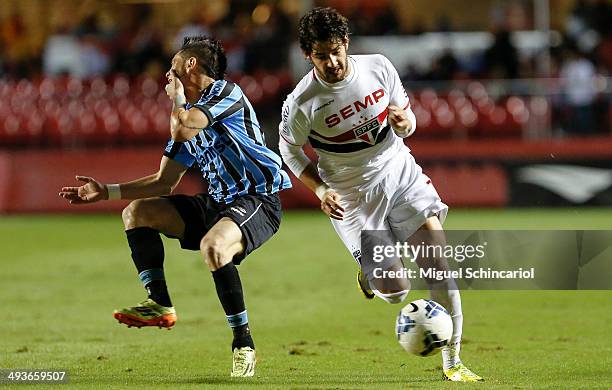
231,152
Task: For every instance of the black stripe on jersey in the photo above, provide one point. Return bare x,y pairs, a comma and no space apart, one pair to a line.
224,186
214,171
227,90
240,155
350,147
268,174
227,164
191,148
199,140
176,147
231,110
248,123
233,171
207,137
282,183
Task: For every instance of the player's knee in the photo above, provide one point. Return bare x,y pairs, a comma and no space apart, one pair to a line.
129,214
212,249
392,297
135,214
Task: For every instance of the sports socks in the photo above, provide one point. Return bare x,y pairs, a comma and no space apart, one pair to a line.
447,294
229,291
148,255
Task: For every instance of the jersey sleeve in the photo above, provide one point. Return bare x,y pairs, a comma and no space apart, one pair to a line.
294,128
178,152
397,93
224,99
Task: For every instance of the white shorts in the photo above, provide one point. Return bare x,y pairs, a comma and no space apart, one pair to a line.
400,203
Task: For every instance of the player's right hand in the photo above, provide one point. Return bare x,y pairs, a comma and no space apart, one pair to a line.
91,191
174,87
330,204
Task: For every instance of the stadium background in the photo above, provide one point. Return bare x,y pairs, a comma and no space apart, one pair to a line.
512,97
513,100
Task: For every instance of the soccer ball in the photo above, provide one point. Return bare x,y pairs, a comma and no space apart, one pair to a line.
423,327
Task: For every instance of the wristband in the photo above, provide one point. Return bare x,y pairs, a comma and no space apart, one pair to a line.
114,191
321,190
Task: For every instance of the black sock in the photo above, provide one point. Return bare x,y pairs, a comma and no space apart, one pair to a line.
242,337
158,291
229,291
148,255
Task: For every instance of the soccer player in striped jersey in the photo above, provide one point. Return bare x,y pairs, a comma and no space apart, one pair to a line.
354,112
214,127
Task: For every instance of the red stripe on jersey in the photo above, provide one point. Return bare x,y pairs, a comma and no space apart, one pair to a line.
286,140
383,115
350,135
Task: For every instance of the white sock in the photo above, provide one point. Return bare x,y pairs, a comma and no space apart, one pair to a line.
393,298
450,355
447,294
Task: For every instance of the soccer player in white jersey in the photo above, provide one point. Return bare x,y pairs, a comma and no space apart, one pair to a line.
355,113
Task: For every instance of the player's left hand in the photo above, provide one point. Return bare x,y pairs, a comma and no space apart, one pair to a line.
91,191
398,119
174,87
330,205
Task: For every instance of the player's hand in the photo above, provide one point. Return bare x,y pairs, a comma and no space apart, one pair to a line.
330,204
91,191
398,119
174,87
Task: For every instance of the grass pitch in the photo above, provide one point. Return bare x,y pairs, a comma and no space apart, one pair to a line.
62,276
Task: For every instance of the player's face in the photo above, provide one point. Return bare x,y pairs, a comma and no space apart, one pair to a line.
177,67
330,60
181,67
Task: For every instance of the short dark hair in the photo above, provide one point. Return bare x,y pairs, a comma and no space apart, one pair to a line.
322,24
210,55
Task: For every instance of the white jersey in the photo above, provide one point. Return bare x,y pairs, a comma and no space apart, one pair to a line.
361,158
346,122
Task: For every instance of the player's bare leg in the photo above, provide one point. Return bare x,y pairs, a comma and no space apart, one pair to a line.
219,246
446,293
144,220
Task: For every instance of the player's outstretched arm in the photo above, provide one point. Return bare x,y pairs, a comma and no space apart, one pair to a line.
161,183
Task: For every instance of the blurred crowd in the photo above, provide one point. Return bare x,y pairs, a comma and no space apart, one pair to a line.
133,39
102,39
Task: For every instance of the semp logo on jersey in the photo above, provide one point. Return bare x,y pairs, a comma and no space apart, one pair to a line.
355,107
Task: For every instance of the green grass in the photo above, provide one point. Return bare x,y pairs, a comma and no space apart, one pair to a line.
62,276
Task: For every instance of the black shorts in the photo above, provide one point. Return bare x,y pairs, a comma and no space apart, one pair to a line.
257,216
